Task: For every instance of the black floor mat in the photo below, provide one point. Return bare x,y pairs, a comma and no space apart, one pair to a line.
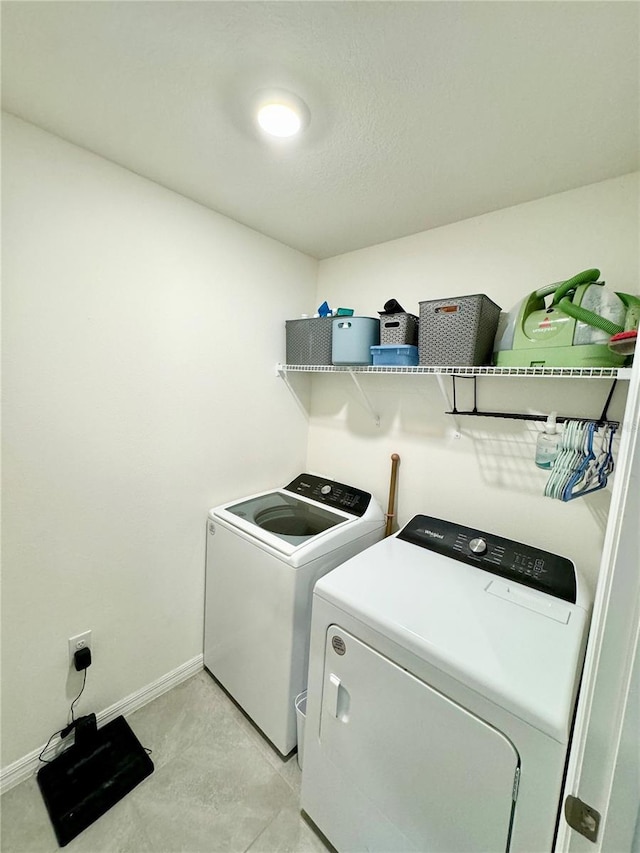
84,782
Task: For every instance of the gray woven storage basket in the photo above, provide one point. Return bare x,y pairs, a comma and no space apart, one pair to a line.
399,329
458,331
308,340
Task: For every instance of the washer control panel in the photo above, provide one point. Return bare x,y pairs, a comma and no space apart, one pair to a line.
331,493
514,561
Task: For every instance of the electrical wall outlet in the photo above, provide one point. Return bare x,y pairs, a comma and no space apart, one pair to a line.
81,641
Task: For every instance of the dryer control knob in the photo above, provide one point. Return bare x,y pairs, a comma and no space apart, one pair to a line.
325,490
478,546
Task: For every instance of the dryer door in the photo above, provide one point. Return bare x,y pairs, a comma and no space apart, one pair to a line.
424,771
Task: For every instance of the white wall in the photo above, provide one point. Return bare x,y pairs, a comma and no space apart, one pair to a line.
140,337
486,478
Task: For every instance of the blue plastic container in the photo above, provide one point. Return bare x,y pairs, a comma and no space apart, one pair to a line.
352,338
394,355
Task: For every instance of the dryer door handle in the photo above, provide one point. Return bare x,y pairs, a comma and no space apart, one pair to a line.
337,699
333,691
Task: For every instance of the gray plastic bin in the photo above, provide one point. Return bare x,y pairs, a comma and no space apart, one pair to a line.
308,340
301,714
458,331
399,329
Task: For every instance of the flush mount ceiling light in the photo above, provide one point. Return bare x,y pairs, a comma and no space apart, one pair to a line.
281,114
279,120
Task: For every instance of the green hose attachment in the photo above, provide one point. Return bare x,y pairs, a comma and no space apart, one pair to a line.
560,288
586,277
567,307
563,303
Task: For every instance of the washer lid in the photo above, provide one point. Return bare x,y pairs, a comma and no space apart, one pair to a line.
308,518
283,522
287,517
518,647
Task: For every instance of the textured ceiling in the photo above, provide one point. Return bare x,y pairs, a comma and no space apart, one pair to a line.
422,113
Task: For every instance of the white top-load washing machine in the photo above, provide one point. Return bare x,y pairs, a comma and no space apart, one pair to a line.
264,554
443,674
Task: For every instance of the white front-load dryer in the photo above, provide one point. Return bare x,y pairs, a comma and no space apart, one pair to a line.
443,674
264,554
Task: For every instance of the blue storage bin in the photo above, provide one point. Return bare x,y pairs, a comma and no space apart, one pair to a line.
392,355
352,338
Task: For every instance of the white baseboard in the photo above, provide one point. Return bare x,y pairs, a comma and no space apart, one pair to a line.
24,767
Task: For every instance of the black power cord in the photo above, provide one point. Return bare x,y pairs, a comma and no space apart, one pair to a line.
73,719
82,661
46,746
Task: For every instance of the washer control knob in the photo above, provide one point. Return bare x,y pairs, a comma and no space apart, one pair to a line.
478,545
325,490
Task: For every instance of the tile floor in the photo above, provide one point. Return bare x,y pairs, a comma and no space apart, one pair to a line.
217,786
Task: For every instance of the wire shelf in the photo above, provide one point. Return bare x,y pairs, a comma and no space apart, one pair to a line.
485,370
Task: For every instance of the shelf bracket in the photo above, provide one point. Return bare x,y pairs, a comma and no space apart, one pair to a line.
282,373
365,399
443,391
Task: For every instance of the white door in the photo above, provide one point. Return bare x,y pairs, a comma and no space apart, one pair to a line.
439,776
604,765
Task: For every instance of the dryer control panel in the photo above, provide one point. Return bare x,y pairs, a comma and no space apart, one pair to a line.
514,561
331,493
